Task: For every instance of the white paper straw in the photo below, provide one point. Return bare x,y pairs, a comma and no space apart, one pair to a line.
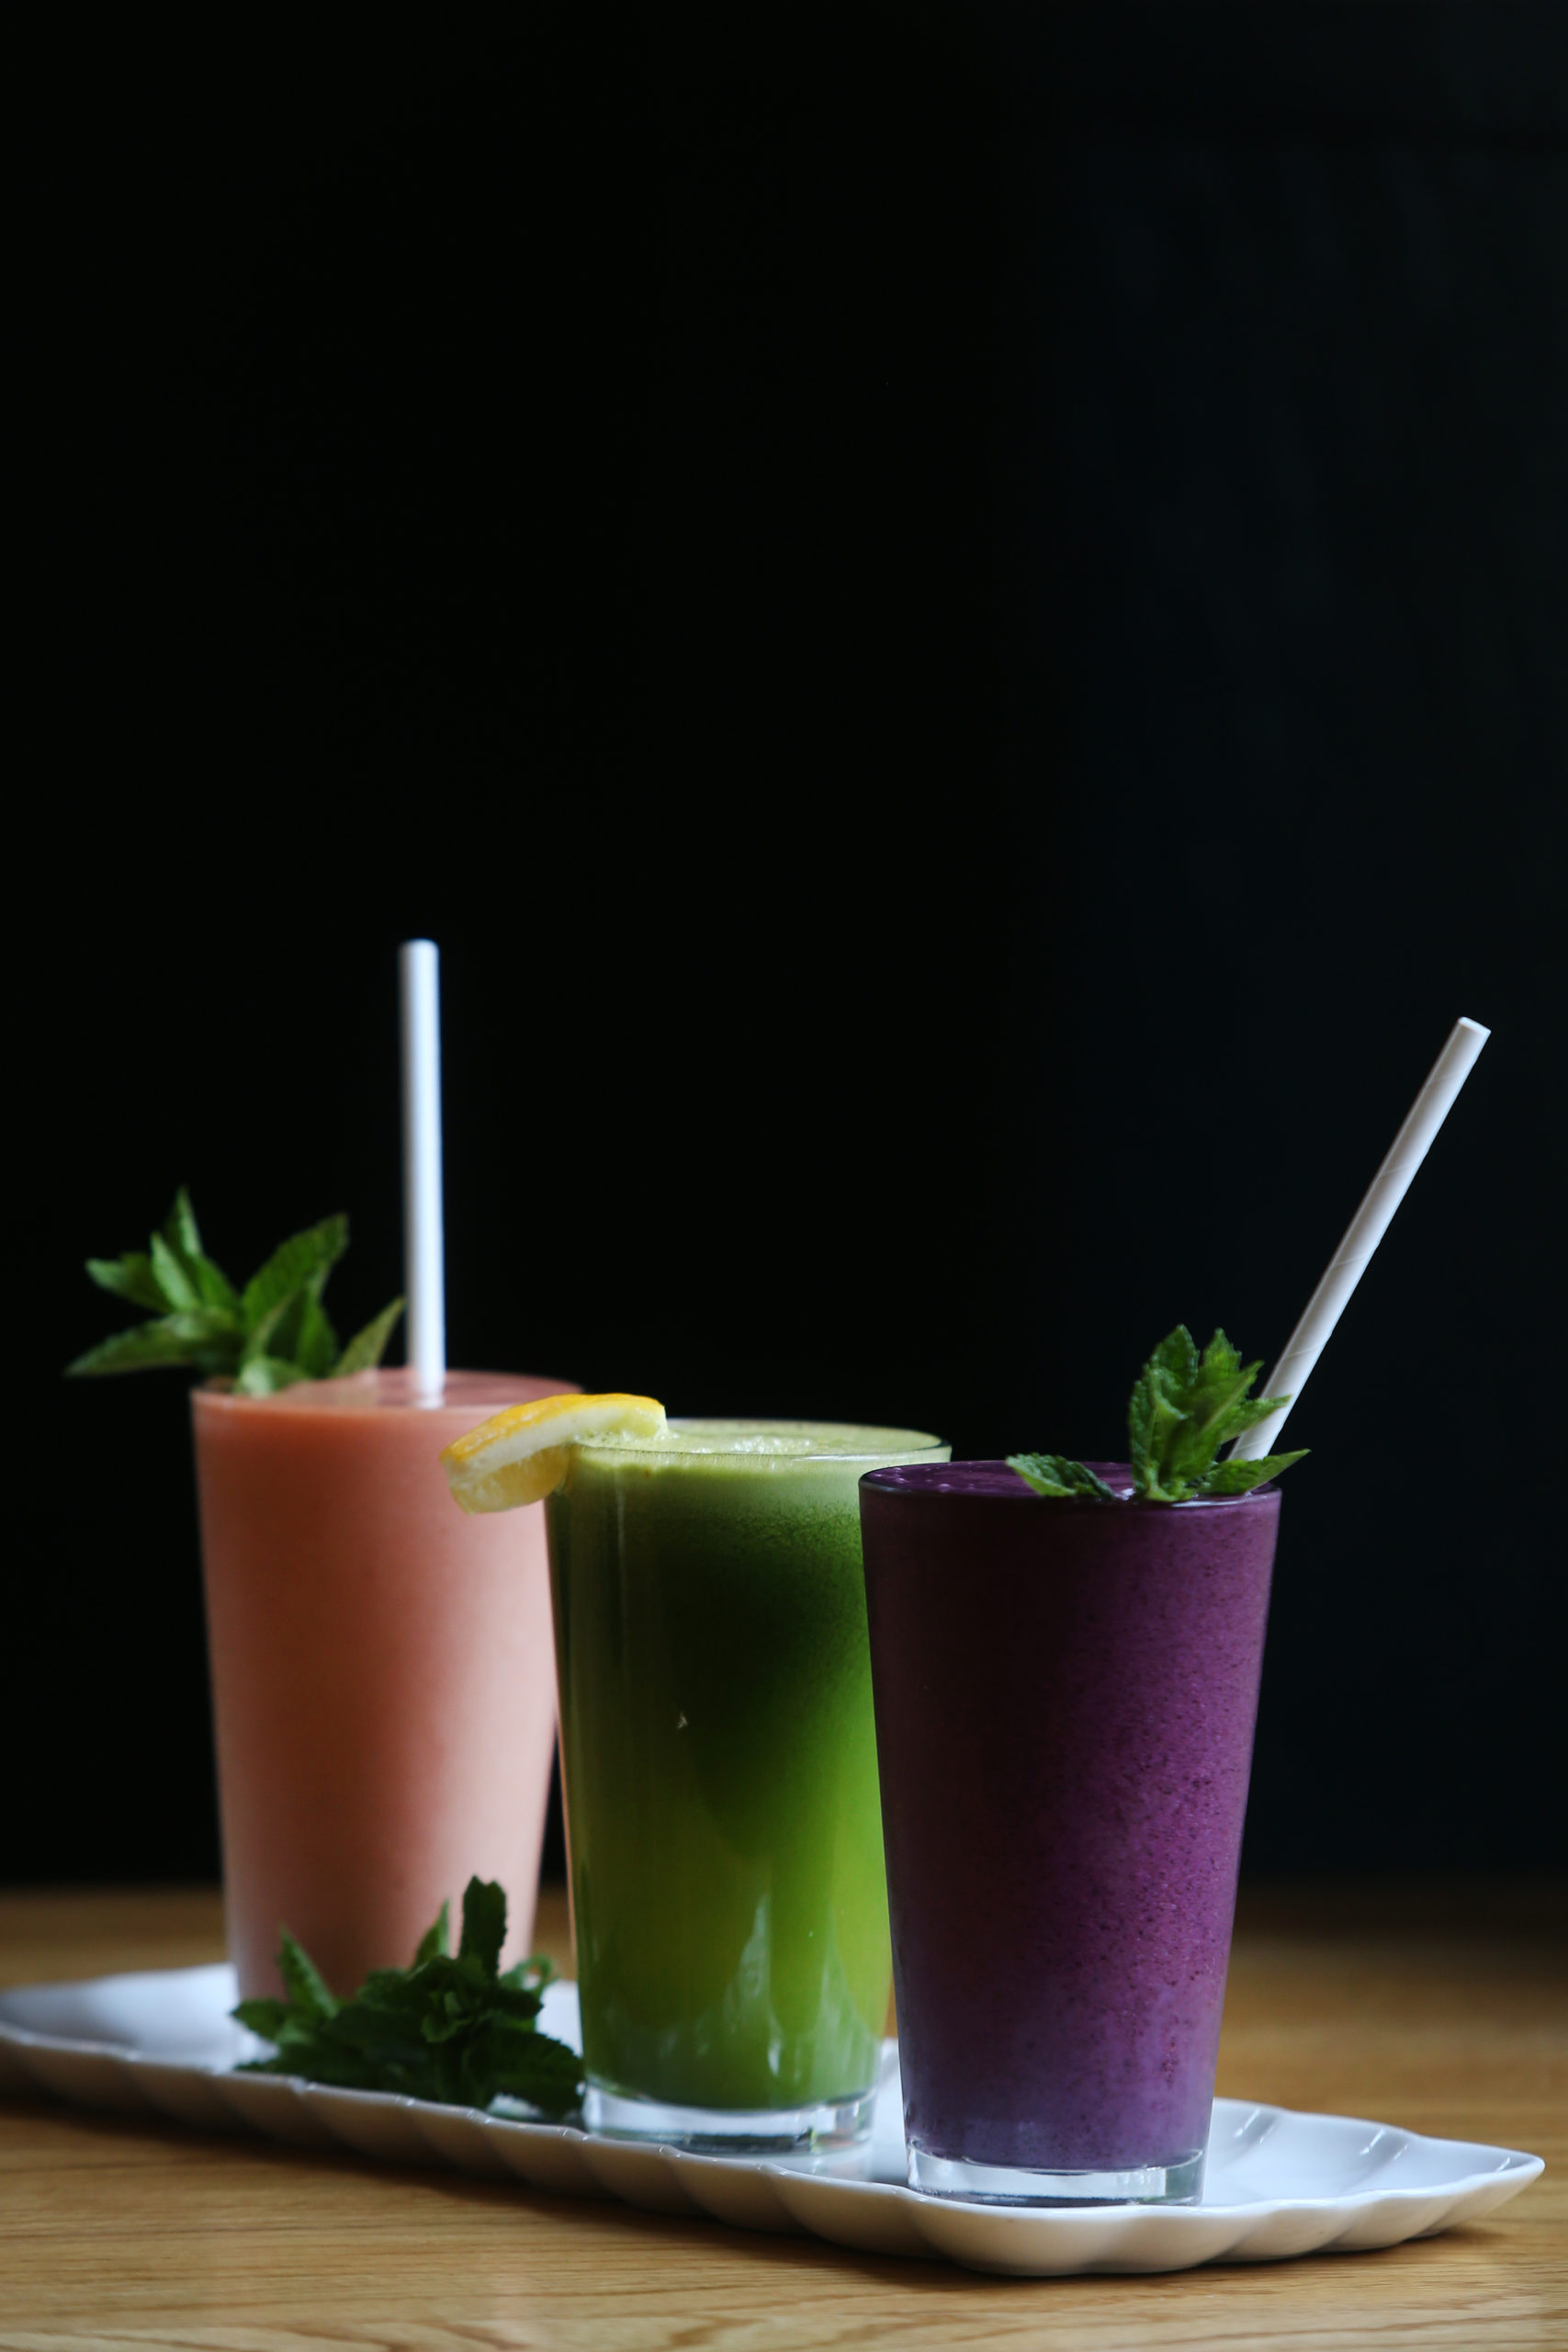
1367,1228
425,1275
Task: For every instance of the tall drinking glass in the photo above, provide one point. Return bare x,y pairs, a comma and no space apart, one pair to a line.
720,1776
1066,1694
382,1670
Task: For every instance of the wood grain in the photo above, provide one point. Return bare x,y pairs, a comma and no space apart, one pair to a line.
1442,2006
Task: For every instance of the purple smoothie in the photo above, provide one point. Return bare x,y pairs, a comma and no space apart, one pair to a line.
1065,1693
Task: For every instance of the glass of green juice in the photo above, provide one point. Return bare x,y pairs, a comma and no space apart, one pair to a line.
719,1773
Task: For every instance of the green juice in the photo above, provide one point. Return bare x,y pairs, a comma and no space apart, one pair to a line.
719,1763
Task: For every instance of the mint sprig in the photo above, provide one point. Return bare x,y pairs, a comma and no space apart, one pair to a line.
271,1333
1183,1407
455,2028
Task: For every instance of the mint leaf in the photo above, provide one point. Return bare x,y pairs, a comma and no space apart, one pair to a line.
1240,1478
302,1258
262,2016
191,1269
301,1334
264,1375
259,1338
367,1348
1210,1402
171,1340
130,1277
280,1332
484,1924
445,2028
1177,1359
303,1981
433,1942
177,1283
205,1326
180,1228
169,1274
521,2063
1054,1474
1155,1416
216,1288
316,1345
1252,1410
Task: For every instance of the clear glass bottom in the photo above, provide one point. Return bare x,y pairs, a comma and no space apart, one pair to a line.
732,2131
1175,2184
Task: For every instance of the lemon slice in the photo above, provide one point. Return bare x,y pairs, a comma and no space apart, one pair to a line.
519,1456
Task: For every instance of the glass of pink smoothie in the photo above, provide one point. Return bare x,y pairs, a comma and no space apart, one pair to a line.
383,1672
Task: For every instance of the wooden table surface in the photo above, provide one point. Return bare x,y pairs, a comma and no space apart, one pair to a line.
1443,2006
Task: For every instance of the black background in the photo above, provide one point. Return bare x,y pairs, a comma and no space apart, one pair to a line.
956,620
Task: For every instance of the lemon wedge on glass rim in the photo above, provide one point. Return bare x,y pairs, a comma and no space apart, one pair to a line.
519,1456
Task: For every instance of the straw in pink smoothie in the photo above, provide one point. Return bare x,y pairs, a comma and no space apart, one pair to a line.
419,992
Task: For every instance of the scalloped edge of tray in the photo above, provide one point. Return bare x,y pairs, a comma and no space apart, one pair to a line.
1281,2182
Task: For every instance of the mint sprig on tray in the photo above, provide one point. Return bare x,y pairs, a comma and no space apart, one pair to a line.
458,2030
271,1333
1183,1407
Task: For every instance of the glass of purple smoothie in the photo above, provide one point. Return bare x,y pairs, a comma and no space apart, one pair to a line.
1065,1692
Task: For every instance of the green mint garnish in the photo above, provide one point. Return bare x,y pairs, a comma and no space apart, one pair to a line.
458,2030
1052,1474
273,1332
1183,1407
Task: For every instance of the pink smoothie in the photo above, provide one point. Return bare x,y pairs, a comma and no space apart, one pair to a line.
383,1672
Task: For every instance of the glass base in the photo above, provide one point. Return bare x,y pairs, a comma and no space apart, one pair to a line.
1176,2183
732,2131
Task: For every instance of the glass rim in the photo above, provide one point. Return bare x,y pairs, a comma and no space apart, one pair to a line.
894,1446
367,1393
1020,1493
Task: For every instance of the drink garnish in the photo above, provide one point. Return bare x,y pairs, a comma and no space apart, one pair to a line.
1054,1474
1183,1407
264,1337
459,2030
522,1454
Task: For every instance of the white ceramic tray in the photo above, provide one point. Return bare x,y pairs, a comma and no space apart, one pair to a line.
1278,2184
